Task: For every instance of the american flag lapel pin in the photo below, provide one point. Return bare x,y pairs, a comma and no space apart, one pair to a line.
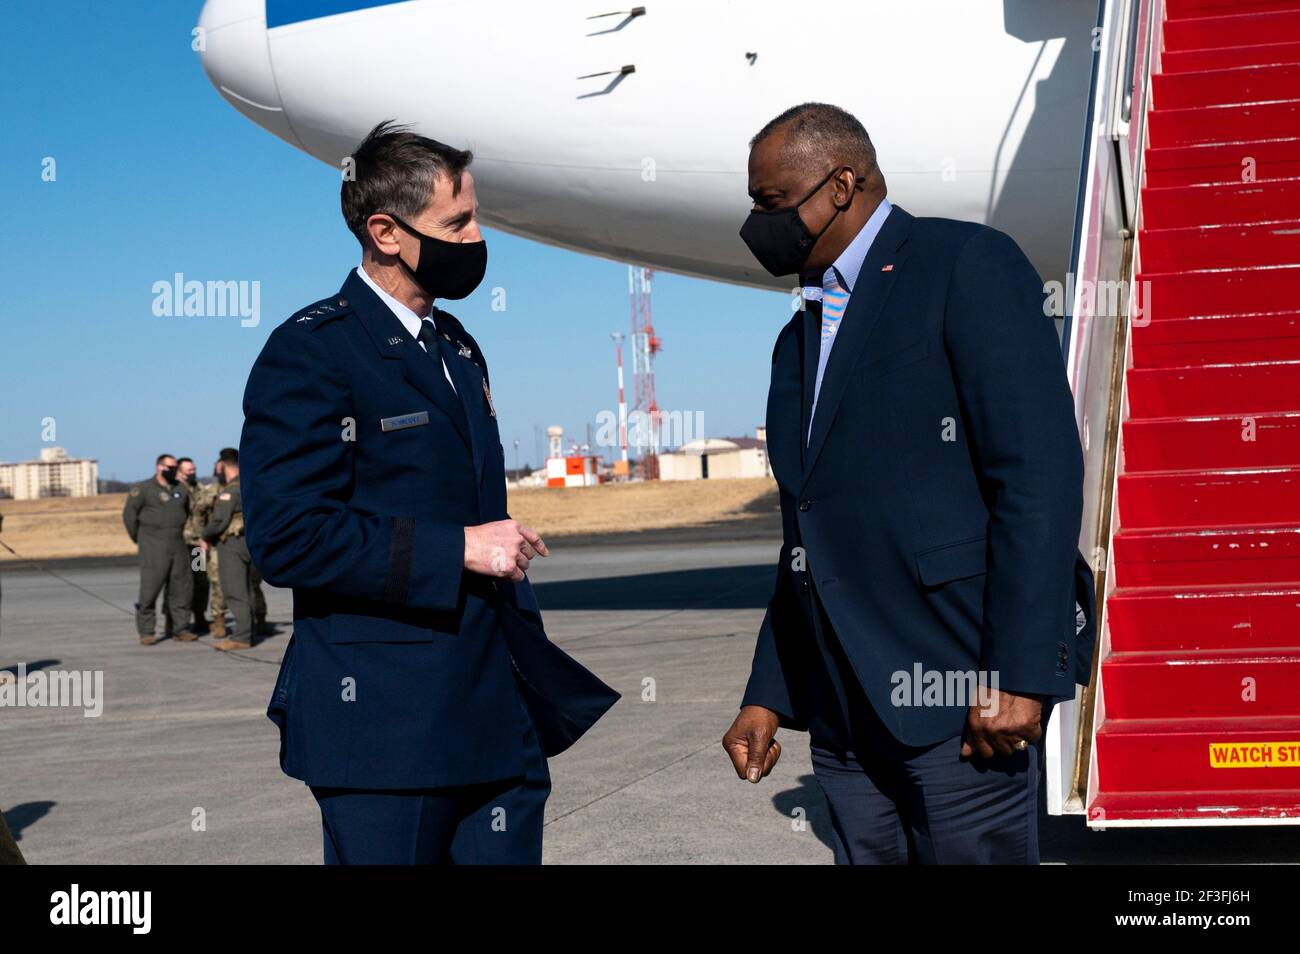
888,268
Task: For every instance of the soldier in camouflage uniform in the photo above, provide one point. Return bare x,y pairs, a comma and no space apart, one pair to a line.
188,476
205,495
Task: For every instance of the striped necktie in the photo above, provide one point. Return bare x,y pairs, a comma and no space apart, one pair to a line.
834,298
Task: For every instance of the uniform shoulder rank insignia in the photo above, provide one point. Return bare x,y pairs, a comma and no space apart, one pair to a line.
487,396
323,309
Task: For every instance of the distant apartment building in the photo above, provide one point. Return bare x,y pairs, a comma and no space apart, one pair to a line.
54,475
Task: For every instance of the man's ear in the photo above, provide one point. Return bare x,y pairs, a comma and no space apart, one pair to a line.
847,181
383,233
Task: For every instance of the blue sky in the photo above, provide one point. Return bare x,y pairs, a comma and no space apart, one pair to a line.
155,174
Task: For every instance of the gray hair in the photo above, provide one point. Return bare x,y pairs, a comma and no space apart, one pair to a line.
394,171
823,136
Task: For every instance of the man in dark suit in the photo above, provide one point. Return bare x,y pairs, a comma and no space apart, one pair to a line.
418,696
921,431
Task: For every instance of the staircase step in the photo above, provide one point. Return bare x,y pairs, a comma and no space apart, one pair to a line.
1200,556
1219,164
1182,9
1196,443
1202,684
1234,29
1228,57
1220,246
1209,498
1214,389
1217,339
1242,84
1234,123
1174,755
1221,203
1174,619
1120,809
1216,291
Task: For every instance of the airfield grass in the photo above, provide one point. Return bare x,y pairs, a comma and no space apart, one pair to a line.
71,527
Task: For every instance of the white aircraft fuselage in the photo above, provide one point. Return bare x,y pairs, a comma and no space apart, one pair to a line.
977,108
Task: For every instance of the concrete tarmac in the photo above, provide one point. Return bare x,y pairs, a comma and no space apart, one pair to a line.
181,767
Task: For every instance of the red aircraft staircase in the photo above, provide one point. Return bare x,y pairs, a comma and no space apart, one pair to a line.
1198,717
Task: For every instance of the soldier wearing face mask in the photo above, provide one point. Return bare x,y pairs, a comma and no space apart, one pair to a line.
188,477
155,515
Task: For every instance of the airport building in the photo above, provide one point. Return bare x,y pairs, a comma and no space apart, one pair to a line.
54,475
717,457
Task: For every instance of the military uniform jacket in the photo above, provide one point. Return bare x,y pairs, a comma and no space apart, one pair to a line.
227,515
156,510
361,468
202,497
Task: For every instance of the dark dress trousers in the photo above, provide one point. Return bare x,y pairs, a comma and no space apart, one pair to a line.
406,675
930,524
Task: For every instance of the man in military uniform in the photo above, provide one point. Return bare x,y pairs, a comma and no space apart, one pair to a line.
204,496
260,626
189,480
155,514
419,696
225,529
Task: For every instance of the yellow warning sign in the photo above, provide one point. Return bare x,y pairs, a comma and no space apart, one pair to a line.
1255,755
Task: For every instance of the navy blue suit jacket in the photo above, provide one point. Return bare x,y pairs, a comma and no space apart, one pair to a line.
939,501
360,469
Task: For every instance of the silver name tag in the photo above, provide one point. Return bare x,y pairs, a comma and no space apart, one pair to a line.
404,420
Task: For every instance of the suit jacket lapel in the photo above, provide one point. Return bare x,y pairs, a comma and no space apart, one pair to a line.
423,371
811,342
863,310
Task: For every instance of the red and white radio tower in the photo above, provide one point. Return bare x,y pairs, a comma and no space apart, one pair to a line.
644,344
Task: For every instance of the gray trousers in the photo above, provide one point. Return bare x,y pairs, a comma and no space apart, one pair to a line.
164,562
235,569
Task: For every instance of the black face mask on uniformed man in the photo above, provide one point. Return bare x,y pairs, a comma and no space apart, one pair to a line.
779,239
446,269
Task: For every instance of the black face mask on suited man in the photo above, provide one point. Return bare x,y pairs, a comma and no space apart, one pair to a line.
449,270
779,239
